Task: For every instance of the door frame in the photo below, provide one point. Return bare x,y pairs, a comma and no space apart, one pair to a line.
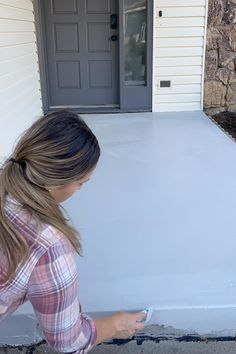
40,36
126,94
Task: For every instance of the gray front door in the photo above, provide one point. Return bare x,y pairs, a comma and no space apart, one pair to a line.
81,52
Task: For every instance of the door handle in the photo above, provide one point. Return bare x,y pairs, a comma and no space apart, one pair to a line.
114,21
114,38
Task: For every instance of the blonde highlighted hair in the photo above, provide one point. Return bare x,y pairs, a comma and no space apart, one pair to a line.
57,149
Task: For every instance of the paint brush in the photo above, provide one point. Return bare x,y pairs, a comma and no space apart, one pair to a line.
148,312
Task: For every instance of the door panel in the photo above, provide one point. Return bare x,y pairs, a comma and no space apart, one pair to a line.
100,73
66,37
82,60
98,7
64,7
97,37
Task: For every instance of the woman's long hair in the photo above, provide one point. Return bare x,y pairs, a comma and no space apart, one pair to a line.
57,149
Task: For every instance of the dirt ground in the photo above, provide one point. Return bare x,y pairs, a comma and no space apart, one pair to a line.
227,120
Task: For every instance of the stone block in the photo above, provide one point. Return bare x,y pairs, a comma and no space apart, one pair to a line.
214,38
230,66
224,75
211,64
232,39
225,57
216,12
233,87
230,12
211,111
232,79
224,32
232,108
215,94
230,97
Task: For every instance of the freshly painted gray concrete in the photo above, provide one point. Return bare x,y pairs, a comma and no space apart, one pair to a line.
157,221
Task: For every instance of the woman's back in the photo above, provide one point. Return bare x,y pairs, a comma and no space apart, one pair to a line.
48,279
39,239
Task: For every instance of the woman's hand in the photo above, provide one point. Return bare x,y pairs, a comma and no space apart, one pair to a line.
126,324
120,325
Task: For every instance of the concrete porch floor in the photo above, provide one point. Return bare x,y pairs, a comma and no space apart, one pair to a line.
158,228
158,220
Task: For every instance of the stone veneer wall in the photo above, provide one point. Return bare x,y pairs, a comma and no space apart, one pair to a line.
220,70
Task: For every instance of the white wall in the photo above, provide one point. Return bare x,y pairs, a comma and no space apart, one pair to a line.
178,54
20,96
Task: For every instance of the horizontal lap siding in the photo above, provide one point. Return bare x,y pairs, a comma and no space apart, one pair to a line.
178,53
20,95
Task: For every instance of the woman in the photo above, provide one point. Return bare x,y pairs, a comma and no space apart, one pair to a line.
52,160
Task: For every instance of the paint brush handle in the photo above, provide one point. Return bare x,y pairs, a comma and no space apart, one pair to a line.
148,312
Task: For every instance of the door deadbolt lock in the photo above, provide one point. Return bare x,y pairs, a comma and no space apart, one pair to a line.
114,21
114,38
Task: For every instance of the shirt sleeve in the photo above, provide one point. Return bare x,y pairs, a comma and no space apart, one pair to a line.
53,293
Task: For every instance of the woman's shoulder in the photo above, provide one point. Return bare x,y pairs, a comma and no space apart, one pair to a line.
36,232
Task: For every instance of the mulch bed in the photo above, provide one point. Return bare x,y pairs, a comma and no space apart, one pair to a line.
227,121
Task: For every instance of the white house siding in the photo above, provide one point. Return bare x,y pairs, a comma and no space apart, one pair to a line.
179,38
20,96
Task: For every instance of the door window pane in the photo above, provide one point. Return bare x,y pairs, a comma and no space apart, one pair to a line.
135,22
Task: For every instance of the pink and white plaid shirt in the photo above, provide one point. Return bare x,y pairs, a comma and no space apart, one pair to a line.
49,281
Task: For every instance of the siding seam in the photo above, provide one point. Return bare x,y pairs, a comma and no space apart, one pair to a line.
16,7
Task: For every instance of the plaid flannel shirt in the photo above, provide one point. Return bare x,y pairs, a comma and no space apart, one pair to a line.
49,281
